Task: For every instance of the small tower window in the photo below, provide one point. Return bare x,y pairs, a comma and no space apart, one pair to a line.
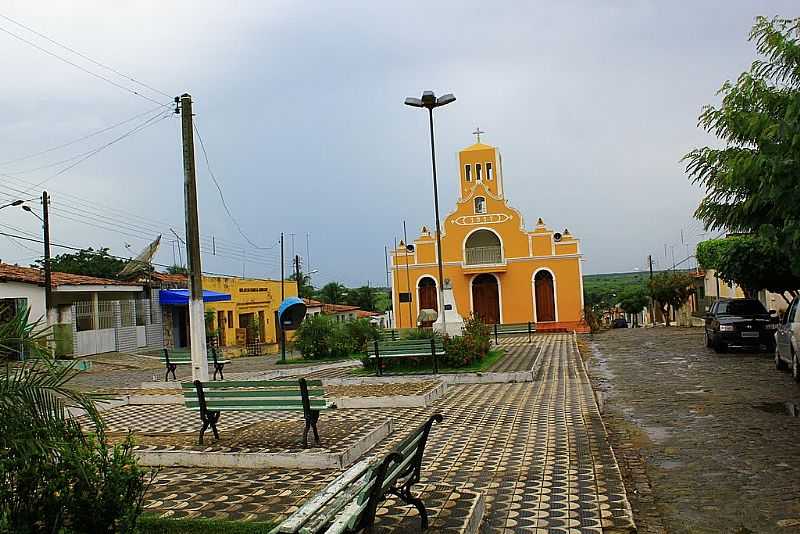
489,170
478,173
468,173
480,205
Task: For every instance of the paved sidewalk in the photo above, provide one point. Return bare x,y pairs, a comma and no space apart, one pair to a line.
536,451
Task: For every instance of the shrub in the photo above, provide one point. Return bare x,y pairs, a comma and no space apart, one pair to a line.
322,337
420,333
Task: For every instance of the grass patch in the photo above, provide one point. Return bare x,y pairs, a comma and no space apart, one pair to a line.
402,366
318,360
152,524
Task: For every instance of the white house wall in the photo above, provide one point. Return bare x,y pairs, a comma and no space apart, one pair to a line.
34,294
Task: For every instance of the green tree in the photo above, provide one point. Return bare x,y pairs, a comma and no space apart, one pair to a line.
633,300
752,262
365,297
306,289
669,290
88,262
332,293
177,269
751,183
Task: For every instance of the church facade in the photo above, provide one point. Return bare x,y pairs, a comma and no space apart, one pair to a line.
497,269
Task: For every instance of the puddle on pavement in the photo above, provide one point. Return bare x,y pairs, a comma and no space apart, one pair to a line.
656,433
670,464
782,408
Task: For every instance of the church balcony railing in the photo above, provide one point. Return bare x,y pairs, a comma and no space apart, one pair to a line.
483,255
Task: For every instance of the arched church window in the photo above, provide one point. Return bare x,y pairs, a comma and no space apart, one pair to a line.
467,173
480,205
478,173
489,170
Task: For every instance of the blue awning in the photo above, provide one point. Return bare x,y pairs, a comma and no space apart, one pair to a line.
181,296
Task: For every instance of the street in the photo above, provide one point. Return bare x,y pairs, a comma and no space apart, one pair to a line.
706,442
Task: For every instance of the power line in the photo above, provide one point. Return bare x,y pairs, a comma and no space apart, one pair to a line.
82,138
84,56
222,196
79,67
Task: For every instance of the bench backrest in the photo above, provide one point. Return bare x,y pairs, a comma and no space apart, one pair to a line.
406,346
181,356
354,496
253,394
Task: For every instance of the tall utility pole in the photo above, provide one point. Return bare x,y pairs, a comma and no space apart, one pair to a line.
408,277
197,325
282,267
650,266
308,253
399,312
48,288
297,273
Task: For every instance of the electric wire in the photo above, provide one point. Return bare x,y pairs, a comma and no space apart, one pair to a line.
84,56
79,67
79,139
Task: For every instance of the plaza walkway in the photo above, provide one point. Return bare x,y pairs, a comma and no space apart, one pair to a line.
536,451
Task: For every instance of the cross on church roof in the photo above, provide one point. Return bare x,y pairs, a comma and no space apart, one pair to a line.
478,133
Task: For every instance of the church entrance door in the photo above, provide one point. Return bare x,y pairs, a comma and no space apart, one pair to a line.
486,298
427,297
545,297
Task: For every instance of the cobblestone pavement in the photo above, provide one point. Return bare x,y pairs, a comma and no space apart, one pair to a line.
706,440
537,451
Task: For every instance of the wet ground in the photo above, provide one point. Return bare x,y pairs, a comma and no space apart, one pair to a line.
708,443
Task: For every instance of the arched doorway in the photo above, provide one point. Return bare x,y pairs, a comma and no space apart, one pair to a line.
543,288
486,298
426,292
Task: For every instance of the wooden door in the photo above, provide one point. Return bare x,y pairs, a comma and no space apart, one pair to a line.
486,299
427,297
221,328
545,297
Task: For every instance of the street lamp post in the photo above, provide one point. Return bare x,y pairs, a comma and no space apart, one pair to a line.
430,101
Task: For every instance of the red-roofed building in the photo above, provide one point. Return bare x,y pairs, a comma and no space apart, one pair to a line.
95,314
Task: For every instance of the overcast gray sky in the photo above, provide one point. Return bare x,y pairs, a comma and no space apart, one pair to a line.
301,109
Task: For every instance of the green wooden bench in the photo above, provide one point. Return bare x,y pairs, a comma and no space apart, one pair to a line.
514,329
173,358
349,502
212,398
389,334
407,348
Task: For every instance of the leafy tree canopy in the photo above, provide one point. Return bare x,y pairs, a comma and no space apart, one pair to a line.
751,183
333,293
634,299
753,262
88,262
670,289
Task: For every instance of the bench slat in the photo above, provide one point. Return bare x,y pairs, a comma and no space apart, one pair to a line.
333,507
254,393
258,408
213,404
336,486
267,384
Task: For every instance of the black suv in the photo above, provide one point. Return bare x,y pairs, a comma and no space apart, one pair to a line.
740,322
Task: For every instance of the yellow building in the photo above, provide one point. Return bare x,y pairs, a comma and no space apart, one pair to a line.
252,301
497,269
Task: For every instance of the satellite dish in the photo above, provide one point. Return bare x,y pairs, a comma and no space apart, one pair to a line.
141,263
556,237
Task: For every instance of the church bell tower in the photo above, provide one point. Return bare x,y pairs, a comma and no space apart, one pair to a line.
480,164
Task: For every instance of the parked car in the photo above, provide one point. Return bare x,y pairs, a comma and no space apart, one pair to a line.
619,322
739,322
787,339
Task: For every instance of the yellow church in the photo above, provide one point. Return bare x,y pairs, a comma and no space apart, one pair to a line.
495,267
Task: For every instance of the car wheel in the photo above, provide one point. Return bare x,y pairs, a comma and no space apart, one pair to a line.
707,338
720,346
780,365
795,367
771,345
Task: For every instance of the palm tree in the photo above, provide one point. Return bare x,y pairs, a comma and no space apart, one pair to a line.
333,293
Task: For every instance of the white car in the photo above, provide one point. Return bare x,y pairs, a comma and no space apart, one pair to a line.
787,341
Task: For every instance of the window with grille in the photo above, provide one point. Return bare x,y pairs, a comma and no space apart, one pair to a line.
141,312
127,311
83,315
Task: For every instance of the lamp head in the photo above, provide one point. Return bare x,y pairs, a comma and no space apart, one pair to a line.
428,98
27,208
445,99
17,202
411,101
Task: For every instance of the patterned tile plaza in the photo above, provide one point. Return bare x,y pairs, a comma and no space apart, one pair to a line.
537,451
